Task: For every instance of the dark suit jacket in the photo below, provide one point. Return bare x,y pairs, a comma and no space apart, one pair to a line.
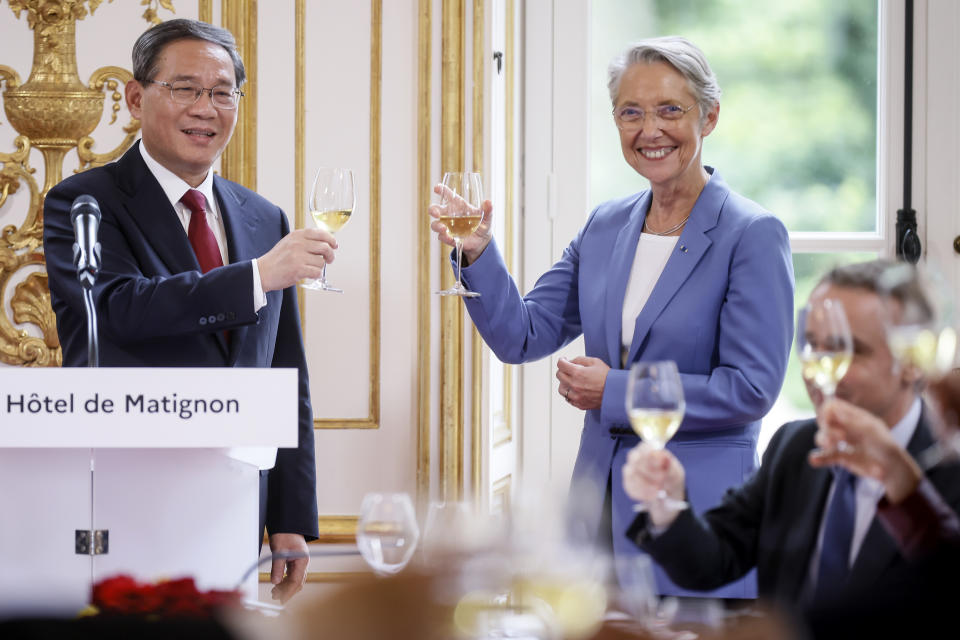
772,521
155,308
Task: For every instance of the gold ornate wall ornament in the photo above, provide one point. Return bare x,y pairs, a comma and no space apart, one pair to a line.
54,112
151,14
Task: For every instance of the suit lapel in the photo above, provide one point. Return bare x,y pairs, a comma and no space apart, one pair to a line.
239,228
691,247
621,263
150,209
812,487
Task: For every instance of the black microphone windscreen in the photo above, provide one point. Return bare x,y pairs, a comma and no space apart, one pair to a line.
84,205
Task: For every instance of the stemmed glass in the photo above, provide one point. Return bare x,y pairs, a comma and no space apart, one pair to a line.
825,347
460,213
921,335
332,201
387,531
920,329
655,406
824,344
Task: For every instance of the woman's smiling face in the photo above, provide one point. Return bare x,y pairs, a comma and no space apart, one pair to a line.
663,151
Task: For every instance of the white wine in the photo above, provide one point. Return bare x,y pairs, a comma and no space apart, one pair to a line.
333,220
931,352
825,369
461,226
656,426
575,604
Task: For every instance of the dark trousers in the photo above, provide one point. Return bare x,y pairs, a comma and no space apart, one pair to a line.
264,476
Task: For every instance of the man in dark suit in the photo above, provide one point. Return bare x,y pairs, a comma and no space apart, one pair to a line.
810,531
196,270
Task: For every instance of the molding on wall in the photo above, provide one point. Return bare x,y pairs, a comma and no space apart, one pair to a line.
424,36
239,159
452,132
372,421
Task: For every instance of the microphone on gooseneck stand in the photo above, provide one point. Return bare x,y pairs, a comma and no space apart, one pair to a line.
85,218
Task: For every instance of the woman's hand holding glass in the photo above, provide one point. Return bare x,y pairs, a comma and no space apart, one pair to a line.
462,219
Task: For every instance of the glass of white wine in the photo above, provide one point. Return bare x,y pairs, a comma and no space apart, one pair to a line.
387,531
921,334
460,213
332,201
824,344
825,347
920,330
655,406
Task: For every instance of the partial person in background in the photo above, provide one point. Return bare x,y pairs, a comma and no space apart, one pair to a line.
919,597
197,271
813,532
687,270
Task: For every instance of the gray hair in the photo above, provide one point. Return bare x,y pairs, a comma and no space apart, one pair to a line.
151,42
679,53
887,278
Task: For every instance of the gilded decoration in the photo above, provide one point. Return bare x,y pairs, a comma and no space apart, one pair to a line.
53,112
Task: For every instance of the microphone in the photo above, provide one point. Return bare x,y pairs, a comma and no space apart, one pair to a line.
85,218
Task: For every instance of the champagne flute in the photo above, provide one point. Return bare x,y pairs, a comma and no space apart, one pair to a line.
461,215
332,202
825,347
387,531
655,406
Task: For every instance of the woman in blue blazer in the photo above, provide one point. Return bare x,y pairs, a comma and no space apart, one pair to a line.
686,270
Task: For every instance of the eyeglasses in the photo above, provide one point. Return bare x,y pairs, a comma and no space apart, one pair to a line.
631,117
222,96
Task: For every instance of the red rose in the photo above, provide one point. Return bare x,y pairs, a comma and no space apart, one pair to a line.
124,595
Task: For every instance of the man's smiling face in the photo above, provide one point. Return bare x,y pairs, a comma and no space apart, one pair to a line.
186,139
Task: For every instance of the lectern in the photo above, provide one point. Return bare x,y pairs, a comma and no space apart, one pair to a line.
149,472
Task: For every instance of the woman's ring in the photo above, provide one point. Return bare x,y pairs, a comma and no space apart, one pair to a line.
566,394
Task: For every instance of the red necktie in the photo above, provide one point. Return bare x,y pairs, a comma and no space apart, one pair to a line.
200,234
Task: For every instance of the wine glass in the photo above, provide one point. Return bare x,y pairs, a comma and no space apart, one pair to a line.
655,406
921,336
332,201
919,327
825,348
824,344
387,531
460,213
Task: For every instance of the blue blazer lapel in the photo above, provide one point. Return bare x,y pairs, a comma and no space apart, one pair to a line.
692,244
621,262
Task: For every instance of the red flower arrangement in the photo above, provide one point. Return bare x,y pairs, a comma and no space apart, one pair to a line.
122,595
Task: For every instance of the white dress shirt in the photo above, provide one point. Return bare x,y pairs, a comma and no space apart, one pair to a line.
174,187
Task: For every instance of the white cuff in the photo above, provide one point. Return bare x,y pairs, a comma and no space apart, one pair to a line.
259,297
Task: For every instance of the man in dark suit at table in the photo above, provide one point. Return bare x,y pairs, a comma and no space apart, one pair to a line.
196,270
810,531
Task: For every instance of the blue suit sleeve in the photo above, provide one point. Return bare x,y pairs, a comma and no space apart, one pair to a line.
521,329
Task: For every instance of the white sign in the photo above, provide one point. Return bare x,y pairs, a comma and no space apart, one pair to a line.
145,407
